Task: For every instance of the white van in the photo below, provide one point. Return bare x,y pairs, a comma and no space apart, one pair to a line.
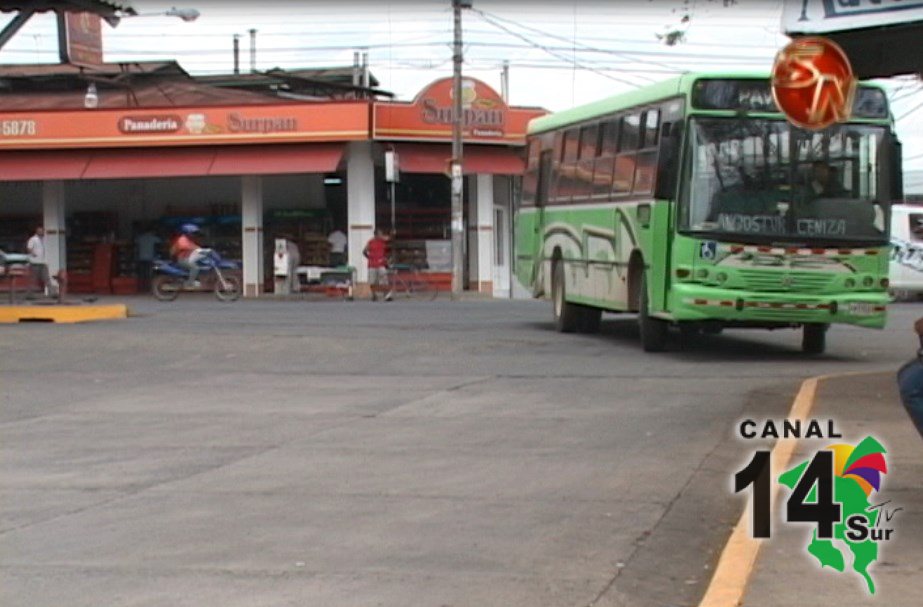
906,271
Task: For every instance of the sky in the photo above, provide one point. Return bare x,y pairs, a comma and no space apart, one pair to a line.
560,54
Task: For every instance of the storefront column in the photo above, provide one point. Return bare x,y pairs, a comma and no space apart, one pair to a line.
360,194
251,215
484,222
53,222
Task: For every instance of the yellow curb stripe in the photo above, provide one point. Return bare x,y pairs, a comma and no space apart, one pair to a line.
62,314
729,583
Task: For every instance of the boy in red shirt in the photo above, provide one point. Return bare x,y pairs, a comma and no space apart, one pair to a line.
376,251
187,252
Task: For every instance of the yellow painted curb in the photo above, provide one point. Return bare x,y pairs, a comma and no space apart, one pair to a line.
728,585
64,314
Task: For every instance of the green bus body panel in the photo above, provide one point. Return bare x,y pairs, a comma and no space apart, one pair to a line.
690,278
595,242
527,238
775,286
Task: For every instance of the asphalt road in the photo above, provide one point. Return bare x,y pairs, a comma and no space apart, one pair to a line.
396,454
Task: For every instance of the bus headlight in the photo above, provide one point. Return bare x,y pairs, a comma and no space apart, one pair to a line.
867,281
721,278
701,274
849,283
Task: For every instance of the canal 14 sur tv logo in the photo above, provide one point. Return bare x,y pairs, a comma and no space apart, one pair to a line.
836,490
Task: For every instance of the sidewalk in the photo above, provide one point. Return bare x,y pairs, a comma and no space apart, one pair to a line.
785,574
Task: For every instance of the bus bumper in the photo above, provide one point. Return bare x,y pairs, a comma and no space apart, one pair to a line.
692,302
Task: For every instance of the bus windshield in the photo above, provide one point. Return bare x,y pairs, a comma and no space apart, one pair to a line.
765,181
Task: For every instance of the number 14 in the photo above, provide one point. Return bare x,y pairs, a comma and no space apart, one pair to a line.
804,505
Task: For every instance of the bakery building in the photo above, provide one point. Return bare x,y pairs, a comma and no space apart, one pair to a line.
99,156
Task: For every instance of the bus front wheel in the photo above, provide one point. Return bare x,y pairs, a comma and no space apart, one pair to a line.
653,330
814,338
566,314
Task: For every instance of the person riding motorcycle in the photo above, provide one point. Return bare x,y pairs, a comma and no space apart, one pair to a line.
187,252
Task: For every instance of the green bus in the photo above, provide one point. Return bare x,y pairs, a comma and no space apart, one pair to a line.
696,204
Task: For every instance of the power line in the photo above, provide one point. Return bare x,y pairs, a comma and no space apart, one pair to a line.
583,47
910,111
553,53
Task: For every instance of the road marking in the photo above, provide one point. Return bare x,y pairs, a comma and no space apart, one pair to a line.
729,583
61,314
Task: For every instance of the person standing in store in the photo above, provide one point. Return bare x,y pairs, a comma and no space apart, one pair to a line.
146,244
376,251
338,241
35,248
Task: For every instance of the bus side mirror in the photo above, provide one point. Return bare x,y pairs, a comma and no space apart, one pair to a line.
671,138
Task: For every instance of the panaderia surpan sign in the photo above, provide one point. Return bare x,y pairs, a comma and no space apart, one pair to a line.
277,123
485,117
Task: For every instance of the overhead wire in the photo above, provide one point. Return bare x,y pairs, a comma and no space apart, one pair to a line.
553,53
584,47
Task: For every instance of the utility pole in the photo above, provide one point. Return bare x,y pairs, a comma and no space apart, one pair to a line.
236,53
252,50
458,225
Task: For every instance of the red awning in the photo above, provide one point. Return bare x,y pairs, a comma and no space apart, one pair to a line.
278,159
149,162
141,163
477,159
41,165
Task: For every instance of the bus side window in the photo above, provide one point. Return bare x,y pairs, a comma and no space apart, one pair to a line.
629,139
544,178
609,138
567,169
583,175
646,164
651,129
557,161
530,178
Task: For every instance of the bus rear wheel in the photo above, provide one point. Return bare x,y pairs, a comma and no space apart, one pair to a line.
653,330
566,314
814,338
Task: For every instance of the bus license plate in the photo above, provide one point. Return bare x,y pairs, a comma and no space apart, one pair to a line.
862,308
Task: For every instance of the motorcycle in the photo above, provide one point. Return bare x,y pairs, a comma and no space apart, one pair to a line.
171,278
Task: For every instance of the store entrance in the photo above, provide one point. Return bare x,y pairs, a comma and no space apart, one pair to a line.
420,223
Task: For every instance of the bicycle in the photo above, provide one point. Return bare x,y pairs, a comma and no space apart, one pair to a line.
406,280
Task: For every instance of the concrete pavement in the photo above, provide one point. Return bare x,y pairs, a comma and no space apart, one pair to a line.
415,453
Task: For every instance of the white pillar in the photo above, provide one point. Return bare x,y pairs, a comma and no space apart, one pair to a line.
251,215
53,211
360,194
485,233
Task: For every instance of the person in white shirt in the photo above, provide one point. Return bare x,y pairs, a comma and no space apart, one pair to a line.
337,240
35,248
